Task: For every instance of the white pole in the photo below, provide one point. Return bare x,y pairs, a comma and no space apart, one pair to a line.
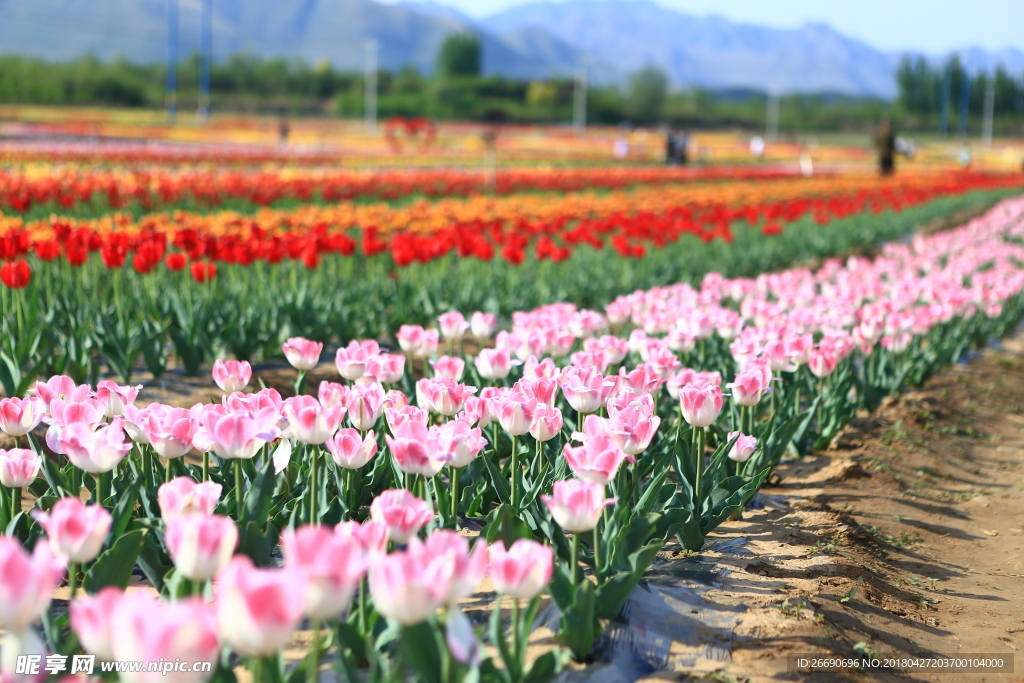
772,124
990,105
579,118
371,85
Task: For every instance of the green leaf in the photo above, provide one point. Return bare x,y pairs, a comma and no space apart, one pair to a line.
114,567
257,502
579,626
124,509
422,646
501,484
503,524
544,668
258,542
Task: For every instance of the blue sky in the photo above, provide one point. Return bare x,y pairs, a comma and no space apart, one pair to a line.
926,25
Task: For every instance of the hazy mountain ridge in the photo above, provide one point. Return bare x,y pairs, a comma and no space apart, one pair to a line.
535,40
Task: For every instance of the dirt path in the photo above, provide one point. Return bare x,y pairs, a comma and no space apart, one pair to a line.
906,537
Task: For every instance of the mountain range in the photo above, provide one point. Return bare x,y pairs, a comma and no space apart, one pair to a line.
610,38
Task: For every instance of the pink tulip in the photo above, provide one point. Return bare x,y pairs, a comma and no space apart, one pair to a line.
19,467
232,375
459,443
182,496
545,390
143,629
643,379
493,363
447,396
478,410
585,389
19,416
597,460
240,434
701,405
641,403
523,570
403,513
743,448
449,366
262,402
200,545
94,450
370,536
545,369
483,324
310,422
366,405
408,587
332,565
76,531
396,417
416,341
63,387
351,361
258,609
350,449
333,394
515,413
469,566
416,449
576,505
135,419
748,387
27,583
303,354
113,398
91,618
632,429
453,325
392,368
547,423
822,362
170,431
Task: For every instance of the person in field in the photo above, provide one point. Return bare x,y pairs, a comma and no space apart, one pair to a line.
885,142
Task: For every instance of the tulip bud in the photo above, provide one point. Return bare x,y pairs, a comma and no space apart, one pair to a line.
19,467
200,545
76,531
522,571
576,505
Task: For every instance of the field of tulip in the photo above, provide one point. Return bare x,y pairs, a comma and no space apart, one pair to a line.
544,456
40,190
180,289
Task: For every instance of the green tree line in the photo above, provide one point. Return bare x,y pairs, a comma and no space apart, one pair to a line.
458,90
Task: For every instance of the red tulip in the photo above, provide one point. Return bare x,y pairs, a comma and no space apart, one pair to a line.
16,274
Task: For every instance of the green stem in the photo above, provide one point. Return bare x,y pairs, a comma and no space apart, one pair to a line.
167,470
99,489
238,489
313,673
206,466
314,467
597,548
513,470
364,618
698,465
72,580
516,644
300,383
575,567
455,497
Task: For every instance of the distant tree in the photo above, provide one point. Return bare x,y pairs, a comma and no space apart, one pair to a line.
648,88
459,55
